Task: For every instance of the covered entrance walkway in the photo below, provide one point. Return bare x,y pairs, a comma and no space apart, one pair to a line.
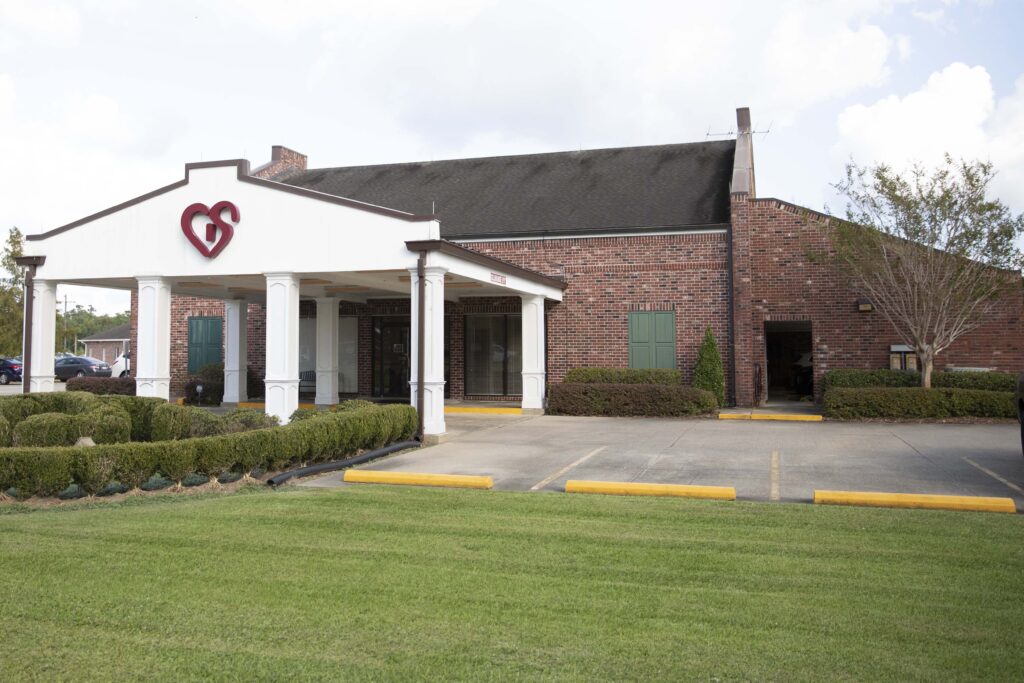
223,234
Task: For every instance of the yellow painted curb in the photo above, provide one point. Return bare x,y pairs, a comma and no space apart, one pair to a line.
915,500
785,417
628,488
480,410
459,481
781,417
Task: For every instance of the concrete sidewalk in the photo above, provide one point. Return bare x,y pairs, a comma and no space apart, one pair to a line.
763,460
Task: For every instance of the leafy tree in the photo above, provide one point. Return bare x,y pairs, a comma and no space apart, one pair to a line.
80,322
11,295
930,248
707,372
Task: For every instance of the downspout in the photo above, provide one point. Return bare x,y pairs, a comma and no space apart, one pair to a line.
421,337
30,263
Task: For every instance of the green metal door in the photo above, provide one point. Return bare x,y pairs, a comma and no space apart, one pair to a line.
205,343
652,339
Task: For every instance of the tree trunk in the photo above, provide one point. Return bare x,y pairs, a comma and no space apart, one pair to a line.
927,358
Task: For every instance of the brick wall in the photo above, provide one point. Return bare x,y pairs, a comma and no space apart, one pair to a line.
105,351
610,276
786,250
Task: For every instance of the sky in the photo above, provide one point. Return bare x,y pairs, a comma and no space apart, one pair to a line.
104,100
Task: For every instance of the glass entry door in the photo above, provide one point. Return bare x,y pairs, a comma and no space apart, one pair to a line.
391,347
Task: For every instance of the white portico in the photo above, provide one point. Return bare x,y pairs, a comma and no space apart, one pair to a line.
220,233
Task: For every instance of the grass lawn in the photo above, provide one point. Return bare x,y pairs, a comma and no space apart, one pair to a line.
398,583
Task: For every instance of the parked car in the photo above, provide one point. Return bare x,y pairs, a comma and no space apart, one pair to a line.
80,366
1020,407
122,366
10,370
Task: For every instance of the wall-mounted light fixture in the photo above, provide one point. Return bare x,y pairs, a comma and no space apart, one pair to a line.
865,305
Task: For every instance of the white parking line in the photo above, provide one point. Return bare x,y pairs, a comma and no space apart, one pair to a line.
995,476
775,492
544,482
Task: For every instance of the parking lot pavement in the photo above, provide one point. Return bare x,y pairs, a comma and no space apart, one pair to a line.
8,389
762,460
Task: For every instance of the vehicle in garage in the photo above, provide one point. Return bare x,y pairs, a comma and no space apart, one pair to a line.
79,366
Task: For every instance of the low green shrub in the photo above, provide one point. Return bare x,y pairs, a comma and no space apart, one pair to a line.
969,379
352,404
708,373
5,432
629,400
246,419
302,414
324,436
122,386
139,410
204,423
623,376
212,394
37,471
852,378
171,422
916,403
47,429
105,424
93,468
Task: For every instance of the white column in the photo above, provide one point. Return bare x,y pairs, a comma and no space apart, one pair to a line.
153,354
326,351
236,351
533,353
433,366
44,326
282,378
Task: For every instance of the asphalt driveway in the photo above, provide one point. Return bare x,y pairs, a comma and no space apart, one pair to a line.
763,460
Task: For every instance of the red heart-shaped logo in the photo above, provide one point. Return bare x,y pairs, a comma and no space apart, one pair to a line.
227,230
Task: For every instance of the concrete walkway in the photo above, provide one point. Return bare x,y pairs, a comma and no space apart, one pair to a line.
763,460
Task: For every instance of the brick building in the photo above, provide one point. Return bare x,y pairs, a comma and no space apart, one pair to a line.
629,253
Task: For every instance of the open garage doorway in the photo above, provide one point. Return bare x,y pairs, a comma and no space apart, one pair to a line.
790,365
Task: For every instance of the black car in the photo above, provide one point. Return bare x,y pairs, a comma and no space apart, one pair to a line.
80,366
10,370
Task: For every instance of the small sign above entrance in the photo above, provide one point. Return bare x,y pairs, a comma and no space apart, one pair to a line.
213,244
500,279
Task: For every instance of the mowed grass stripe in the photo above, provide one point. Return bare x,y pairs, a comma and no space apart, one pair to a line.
378,582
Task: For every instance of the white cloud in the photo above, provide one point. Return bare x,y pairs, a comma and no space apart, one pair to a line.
37,21
954,112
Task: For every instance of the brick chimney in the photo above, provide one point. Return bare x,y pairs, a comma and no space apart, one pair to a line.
283,163
743,162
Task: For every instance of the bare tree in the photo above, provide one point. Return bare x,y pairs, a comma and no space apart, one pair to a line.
930,249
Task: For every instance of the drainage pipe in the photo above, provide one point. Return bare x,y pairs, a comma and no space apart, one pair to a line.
279,479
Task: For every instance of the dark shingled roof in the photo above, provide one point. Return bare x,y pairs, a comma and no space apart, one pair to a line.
119,332
562,192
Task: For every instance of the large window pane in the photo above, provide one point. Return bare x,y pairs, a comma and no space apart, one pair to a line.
514,355
494,355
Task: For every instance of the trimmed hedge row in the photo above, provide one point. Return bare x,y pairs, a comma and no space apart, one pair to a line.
104,424
851,378
623,376
17,408
917,403
658,400
123,386
327,436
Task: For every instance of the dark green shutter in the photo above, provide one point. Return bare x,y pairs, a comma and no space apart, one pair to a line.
652,339
204,342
